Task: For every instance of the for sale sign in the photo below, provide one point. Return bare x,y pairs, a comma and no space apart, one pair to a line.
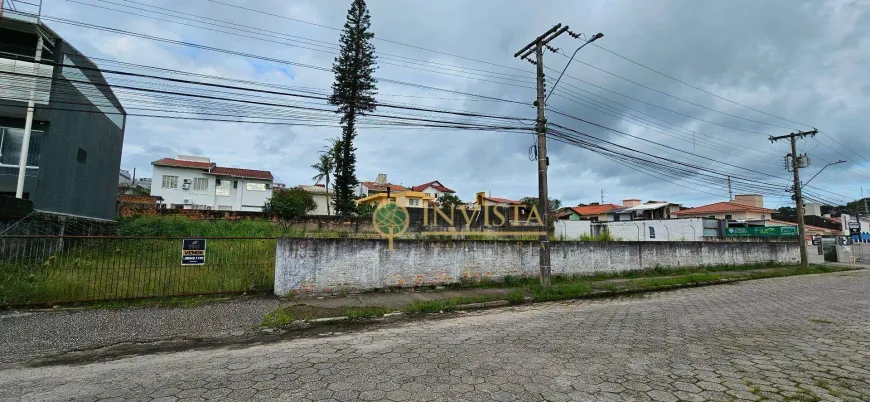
193,252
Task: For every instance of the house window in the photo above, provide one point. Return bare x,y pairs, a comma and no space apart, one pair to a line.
729,217
413,202
428,194
82,156
169,182
200,183
652,232
235,184
10,146
222,188
255,186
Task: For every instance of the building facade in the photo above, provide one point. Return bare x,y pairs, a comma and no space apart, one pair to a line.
407,199
78,123
191,182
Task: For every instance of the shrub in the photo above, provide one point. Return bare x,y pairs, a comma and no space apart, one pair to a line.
290,204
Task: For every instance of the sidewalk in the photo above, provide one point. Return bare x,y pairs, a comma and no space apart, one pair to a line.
30,335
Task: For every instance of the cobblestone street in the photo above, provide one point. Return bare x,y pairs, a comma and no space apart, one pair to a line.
800,338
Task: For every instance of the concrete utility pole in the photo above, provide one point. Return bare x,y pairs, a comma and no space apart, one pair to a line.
798,196
730,193
537,46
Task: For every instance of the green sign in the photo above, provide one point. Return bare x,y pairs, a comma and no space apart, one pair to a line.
772,231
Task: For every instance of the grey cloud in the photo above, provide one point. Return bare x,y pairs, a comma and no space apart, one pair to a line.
805,61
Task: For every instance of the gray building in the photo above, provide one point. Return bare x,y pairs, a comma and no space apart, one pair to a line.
78,123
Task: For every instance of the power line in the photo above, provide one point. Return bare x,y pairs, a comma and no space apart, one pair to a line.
721,97
375,38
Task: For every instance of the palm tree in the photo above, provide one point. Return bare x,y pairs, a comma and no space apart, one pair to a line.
325,167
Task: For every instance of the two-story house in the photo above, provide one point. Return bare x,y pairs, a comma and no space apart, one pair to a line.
192,182
433,189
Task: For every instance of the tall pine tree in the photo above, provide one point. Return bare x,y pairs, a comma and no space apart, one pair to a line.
353,93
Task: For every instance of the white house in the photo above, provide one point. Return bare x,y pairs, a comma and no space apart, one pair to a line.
321,198
192,182
433,189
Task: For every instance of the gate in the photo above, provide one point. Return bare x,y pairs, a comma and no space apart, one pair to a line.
52,269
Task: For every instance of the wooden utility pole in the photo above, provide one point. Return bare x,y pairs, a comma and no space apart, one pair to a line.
798,196
537,47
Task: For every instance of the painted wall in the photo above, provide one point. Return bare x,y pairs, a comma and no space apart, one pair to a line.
62,183
572,230
664,230
329,265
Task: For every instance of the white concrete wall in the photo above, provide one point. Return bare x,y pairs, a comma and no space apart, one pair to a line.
322,201
572,230
329,265
665,230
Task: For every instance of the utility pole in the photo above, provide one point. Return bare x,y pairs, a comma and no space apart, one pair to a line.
537,46
730,194
798,196
602,196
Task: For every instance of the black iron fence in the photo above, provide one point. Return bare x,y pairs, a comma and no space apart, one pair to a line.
52,269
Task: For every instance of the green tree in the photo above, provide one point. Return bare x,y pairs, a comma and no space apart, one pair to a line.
529,201
353,93
290,204
325,167
365,210
448,199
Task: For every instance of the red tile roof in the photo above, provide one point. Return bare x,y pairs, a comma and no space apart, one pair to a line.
245,173
437,186
594,209
502,200
183,163
722,207
383,187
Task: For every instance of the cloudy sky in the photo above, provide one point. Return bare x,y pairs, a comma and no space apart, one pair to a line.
806,62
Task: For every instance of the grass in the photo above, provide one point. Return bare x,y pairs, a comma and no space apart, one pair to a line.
287,314
562,288
73,270
434,306
515,296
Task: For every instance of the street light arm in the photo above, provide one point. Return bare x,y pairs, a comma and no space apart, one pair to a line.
820,171
593,39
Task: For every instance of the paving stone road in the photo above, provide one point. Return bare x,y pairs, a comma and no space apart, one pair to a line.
800,338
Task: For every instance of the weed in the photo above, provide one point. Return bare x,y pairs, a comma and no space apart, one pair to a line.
822,384
562,291
434,306
278,317
821,320
515,296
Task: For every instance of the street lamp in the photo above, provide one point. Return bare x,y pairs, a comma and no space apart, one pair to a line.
593,39
820,171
